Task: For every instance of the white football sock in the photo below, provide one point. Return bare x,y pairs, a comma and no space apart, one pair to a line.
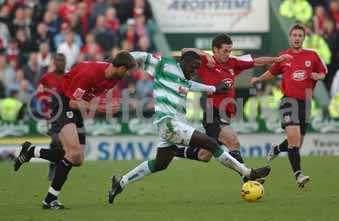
136,174
227,160
37,151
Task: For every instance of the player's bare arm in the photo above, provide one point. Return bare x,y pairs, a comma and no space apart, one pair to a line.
270,60
317,76
264,77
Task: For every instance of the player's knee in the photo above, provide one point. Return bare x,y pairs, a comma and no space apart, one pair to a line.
76,158
294,140
204,156
161,166
211,144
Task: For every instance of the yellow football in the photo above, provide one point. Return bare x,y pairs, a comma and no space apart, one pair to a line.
252,191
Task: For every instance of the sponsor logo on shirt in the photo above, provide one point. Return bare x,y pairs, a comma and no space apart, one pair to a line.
299,75
79,93
308,63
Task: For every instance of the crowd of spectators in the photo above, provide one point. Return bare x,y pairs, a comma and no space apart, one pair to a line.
31,31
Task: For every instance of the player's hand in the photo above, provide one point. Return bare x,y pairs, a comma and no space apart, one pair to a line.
254,80
284,57
317,76
210,61
183,90
101,108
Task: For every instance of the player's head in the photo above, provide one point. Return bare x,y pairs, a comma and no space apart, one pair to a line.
222,47
59,63
121,64
190,62
296,36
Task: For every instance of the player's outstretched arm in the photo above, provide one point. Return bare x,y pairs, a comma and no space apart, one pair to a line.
264,77
199,87
146,61
270,60
317,76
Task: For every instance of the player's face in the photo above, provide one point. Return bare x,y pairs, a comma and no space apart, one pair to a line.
297,38
60,63
190,68
119,72
222,54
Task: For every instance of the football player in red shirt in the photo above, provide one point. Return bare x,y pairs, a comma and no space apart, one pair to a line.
299,77
221,108
49,83
85,81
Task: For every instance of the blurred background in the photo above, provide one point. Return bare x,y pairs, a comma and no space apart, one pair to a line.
31,31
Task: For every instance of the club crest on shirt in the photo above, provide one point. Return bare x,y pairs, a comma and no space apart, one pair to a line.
287,118
308,63
228,82
299,75
69,114
231,71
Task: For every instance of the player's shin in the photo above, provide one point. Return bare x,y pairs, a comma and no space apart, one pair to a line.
227,160
53,155
139,172
61,173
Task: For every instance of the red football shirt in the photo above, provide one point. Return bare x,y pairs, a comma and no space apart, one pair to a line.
227,71
86,80
51,81
296,74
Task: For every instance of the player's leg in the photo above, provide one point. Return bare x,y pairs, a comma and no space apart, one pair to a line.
225,158
230,139
277,149
294,138
28,151
213,129
55,144
74,156
162,160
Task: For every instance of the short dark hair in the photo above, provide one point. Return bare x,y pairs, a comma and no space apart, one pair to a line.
221,39
189,56
124,58
297,26
60,55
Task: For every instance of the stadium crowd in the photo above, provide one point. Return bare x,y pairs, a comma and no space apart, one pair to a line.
31,31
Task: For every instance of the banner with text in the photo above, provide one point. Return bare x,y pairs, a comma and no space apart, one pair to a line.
196,16
252,145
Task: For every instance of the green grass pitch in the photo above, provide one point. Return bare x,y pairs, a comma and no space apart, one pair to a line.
186,191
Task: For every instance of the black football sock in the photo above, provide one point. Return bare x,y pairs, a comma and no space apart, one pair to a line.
283,147
188,153
237,155
61,173
53,155
294,157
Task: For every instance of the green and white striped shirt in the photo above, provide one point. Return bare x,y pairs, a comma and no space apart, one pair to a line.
168,80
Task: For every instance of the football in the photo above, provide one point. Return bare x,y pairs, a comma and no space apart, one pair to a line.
252,191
